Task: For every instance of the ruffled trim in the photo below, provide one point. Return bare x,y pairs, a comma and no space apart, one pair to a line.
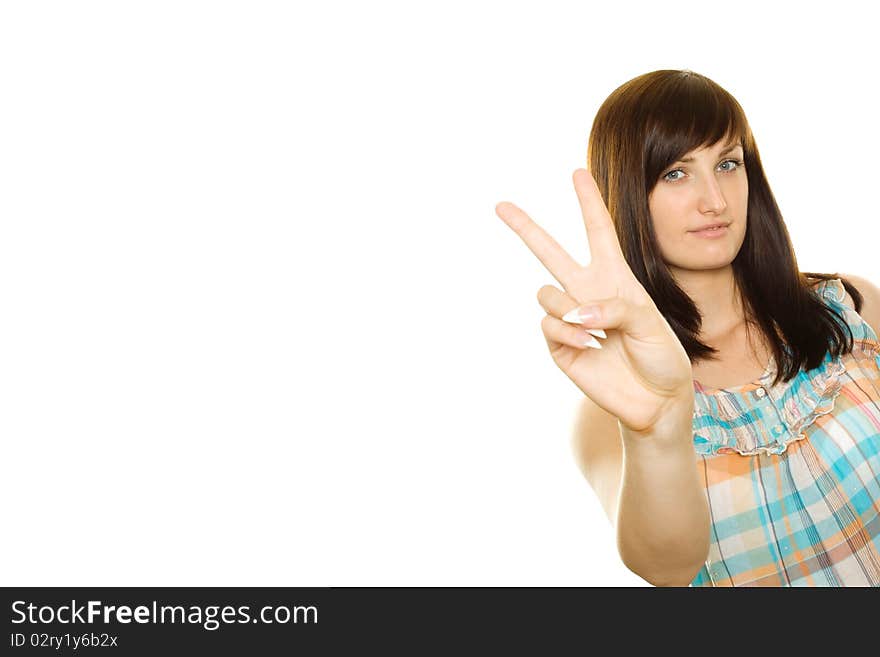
765,419
752,422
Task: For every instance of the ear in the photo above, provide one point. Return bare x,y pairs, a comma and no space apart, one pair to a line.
870,311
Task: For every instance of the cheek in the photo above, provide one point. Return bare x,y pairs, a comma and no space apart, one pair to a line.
667,221
737,193
669,238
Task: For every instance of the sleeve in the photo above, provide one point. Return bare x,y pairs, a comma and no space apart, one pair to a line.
835,295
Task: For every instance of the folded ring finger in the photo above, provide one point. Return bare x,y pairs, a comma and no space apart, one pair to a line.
557,331
557,303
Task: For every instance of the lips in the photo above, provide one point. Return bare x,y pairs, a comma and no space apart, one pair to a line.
710,226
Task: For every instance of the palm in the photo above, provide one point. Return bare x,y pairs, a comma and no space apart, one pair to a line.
641,368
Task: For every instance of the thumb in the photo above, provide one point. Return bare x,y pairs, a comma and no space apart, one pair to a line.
613,313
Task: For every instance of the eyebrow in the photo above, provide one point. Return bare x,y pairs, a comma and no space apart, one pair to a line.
724,152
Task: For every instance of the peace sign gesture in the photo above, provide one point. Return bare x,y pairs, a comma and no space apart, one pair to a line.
640,369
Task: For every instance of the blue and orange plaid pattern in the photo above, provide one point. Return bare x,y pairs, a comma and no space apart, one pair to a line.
792,472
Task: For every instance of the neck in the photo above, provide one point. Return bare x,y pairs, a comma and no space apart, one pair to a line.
715,294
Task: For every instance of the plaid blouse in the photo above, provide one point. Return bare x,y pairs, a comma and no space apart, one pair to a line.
792,472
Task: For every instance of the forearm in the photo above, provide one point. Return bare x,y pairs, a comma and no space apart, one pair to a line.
662,516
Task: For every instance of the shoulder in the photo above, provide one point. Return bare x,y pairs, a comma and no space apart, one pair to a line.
870,293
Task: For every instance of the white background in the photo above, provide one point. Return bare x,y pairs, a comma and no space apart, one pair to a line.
259,323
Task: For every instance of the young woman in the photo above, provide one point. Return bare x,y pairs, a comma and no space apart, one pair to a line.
731,419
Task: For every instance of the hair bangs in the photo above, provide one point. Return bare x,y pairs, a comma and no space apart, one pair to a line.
690,114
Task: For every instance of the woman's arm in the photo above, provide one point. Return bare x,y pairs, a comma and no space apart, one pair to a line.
663,518
649,486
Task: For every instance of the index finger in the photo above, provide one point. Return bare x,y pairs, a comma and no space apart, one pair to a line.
556,259
600,227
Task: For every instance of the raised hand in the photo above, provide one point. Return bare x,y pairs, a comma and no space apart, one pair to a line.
640,369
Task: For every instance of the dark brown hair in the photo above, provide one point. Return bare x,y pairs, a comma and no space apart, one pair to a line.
642,128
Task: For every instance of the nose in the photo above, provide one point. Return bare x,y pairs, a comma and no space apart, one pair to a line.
711,198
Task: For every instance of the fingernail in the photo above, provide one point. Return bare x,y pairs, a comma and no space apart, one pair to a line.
579,315
599,333
593,342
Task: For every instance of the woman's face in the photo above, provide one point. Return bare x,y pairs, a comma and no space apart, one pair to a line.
711,188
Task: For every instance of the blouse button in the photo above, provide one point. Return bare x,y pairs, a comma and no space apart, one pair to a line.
760,392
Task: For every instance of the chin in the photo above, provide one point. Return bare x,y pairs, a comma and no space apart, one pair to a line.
701,265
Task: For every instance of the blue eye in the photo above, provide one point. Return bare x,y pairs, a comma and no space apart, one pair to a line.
738,164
